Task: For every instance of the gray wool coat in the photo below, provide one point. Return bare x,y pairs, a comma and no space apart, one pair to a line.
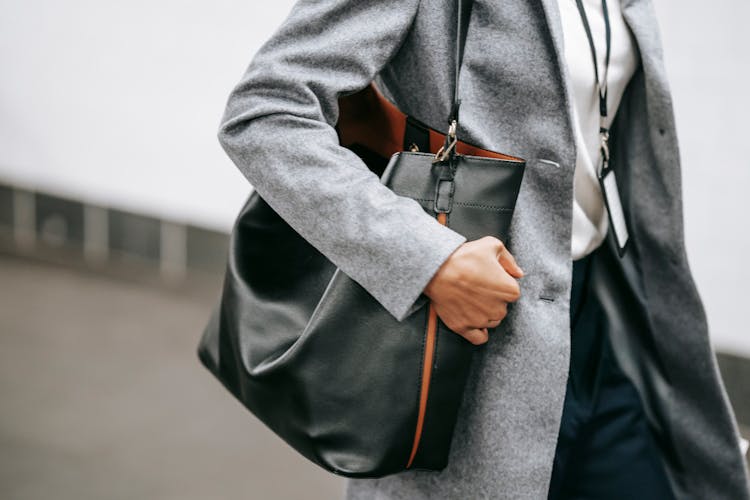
278,128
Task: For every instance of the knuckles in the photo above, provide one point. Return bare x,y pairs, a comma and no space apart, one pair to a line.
497,242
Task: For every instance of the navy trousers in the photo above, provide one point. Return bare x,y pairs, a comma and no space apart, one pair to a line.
605,448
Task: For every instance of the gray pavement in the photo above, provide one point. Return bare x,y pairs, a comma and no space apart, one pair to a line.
103,397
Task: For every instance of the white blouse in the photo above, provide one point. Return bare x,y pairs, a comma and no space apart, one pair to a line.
590,221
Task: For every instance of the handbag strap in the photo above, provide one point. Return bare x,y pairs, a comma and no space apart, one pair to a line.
462,25
463,11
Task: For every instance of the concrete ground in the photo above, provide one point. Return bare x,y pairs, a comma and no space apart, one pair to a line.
103,397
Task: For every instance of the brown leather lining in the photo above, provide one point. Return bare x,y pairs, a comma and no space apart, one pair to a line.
369,119
429,354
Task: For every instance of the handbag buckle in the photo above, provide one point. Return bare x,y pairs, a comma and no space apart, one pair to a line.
445,186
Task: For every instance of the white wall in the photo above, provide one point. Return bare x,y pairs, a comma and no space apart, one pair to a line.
118,103
706,53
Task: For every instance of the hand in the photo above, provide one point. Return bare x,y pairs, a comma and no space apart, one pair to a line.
471,290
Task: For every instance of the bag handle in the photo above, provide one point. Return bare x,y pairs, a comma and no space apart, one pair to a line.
463,11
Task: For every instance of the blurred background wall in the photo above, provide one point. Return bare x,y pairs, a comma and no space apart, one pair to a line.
118,103
108,119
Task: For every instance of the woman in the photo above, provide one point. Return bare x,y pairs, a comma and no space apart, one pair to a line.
638,316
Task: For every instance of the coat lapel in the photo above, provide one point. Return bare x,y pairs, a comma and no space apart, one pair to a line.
555,31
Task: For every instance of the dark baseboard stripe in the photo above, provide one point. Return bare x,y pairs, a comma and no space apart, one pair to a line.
34,222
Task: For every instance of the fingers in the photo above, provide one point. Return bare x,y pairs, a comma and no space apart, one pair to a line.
501,287
494,323
512,291
496,315
511,288
507,260
477,336
483,286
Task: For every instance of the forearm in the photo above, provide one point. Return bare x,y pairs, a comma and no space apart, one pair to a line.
278,128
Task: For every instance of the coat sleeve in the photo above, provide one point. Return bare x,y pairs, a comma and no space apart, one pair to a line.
278,129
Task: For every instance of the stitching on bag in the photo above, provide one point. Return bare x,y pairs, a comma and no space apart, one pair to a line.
484,207
482,159
466,204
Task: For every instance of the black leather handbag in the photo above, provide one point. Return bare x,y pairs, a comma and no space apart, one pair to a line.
311,353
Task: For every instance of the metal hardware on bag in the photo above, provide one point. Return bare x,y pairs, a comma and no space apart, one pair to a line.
443,153
413,147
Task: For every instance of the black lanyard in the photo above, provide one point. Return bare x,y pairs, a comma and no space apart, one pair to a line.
606,175
601,87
